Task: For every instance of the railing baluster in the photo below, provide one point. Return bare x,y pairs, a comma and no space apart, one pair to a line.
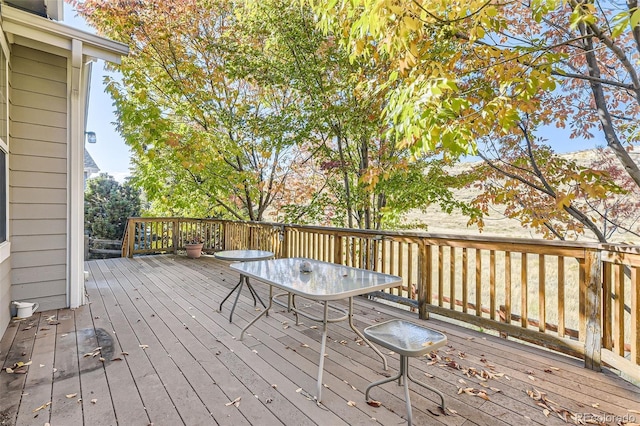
492,284
507,287
635,315
524,320
561,310
478,283
542,304
452,278
465,278
618,311
440,275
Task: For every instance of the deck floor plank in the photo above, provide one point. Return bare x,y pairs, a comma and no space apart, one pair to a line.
66,375
11,385
126,396
288,361
158,405
194,363
153,339
93,381
190,348
247,364
40,376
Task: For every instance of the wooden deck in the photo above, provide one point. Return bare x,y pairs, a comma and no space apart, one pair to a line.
167,357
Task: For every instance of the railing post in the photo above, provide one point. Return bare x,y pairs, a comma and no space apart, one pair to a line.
337,249
131,236
175,235
284,243
424,280
592,314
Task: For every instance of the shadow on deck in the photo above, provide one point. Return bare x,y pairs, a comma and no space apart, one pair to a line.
150,347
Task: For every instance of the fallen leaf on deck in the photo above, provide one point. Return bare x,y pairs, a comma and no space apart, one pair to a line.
314,327
42,407
94,400
462,381
254,351
124,353
595,405
634,411
8,370
102,359
351,403
483,396
546,412
235,402
116,359
374,403
71,395
429,375
144,346
45,329
304,345
41,365
274,386
531,378
452,411
298,390
268,400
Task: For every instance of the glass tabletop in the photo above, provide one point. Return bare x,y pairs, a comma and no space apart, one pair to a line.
243,255
324,281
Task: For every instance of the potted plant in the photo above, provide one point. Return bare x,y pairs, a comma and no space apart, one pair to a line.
193,244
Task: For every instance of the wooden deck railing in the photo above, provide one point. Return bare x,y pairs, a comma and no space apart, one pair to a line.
579,298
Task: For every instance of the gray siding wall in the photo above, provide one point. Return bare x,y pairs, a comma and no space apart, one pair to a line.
38,177
5,294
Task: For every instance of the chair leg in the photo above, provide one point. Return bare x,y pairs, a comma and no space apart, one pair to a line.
404,371
378,383
424,385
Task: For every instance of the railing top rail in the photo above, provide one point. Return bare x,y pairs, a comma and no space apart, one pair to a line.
516,244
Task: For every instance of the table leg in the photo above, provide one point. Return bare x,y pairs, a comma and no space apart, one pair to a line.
353,327
323,348
254,294
266,311
229,295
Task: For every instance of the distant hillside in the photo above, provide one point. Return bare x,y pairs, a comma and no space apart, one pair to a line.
495,224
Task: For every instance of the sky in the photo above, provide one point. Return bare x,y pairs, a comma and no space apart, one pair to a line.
110,152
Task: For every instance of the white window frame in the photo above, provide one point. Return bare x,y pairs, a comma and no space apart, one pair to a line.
5,246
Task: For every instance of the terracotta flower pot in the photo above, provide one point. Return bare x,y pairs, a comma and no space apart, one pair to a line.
194,251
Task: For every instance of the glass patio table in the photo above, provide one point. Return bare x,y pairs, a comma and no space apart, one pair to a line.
324,282
242,256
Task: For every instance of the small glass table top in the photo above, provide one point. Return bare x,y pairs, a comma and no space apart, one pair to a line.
243,255
405,337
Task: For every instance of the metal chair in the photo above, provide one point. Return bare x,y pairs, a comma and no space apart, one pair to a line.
408,340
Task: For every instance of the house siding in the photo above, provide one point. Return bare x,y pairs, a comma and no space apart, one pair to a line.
38,177
5,293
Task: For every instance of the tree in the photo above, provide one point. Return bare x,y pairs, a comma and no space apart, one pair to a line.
353,172
206,139
222,103
468,75
107,205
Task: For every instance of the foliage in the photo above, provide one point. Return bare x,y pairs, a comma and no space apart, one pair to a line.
206,140
483,77
240,109
107,205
